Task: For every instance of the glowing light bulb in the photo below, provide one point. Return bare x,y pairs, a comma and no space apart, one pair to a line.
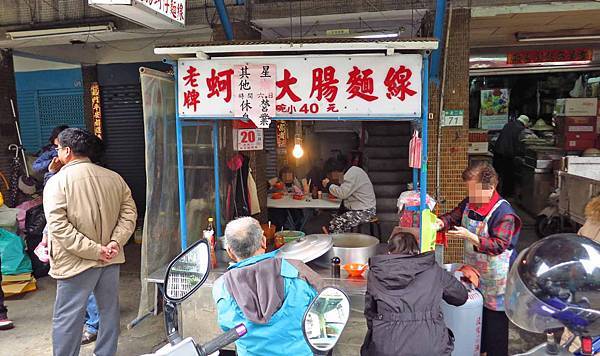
297,152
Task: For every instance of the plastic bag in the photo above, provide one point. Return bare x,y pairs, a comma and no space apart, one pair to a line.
12,250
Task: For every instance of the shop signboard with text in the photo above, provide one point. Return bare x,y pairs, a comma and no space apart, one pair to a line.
319,86
157,14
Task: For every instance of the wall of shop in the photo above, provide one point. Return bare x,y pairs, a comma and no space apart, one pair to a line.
8,132
454,142
49,93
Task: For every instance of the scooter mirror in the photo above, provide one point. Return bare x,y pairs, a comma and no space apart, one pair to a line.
187,272
325,319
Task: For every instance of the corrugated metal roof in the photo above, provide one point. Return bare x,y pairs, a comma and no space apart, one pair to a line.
207,50
295,41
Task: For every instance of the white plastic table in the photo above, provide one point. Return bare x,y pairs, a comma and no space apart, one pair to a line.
287,202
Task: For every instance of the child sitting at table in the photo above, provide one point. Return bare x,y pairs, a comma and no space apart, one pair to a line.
285,182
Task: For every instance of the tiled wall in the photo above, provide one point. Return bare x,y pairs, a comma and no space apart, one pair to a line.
454,139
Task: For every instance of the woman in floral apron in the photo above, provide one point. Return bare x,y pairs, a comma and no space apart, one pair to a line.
490,228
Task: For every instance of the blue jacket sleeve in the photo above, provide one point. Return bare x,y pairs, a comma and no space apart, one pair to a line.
43,161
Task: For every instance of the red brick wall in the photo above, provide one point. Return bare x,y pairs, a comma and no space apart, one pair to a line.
454,141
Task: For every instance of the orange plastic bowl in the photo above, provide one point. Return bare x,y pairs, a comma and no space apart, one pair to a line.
276,195
298,197
278,186
355,269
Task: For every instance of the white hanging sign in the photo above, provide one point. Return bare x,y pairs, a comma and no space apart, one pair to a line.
254,93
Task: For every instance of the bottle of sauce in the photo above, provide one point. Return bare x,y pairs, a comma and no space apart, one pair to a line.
209,235
335,267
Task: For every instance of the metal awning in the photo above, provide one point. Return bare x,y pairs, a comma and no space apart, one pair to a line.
287,47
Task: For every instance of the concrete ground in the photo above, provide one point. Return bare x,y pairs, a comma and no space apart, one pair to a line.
520,340
32,315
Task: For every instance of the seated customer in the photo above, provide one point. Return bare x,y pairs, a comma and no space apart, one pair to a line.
285,181
269,295
402,303
357,194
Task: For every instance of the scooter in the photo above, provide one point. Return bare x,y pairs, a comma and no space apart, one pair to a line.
322,325
549,221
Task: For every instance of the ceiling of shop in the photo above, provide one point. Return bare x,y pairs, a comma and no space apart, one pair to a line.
500,30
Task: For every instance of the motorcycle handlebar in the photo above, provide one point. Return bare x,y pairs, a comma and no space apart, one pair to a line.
223,340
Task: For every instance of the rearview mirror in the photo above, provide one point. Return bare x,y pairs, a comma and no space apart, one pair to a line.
187,272
325,320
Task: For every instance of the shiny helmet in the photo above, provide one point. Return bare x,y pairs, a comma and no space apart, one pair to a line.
556,283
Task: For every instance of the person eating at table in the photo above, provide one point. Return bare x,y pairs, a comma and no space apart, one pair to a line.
490,228
285,182
352,185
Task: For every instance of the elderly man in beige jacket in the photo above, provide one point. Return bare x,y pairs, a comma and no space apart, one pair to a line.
90,215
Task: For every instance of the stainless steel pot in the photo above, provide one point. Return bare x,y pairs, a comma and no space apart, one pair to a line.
352,248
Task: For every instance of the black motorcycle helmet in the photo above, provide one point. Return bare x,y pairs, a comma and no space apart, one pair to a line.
556,283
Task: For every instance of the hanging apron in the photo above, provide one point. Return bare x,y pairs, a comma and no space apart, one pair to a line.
493,269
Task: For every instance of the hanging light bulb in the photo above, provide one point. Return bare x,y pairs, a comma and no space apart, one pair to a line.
298,152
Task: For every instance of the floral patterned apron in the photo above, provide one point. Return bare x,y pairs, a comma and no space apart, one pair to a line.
493,269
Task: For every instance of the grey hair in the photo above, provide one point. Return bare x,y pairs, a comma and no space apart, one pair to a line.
243,236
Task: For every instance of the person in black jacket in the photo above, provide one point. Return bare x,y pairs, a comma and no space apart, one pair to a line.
402,303
507,147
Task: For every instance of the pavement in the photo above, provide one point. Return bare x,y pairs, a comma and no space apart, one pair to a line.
32,315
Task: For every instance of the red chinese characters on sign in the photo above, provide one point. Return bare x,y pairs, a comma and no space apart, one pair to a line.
191,97
398,83
285,85
220,82
190,78
549,56
324,83
360,84
173,9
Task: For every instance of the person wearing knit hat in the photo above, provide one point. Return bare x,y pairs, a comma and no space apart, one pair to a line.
524,120
507,147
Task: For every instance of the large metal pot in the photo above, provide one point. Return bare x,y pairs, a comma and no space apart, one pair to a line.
352,248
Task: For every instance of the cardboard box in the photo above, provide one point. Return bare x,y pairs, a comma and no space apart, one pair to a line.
478,147
575,141
478,135
576,107
18,284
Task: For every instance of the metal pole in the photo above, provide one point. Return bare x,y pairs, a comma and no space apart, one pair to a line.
438,28
415,172
180,165
224,17
424,118
217,182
